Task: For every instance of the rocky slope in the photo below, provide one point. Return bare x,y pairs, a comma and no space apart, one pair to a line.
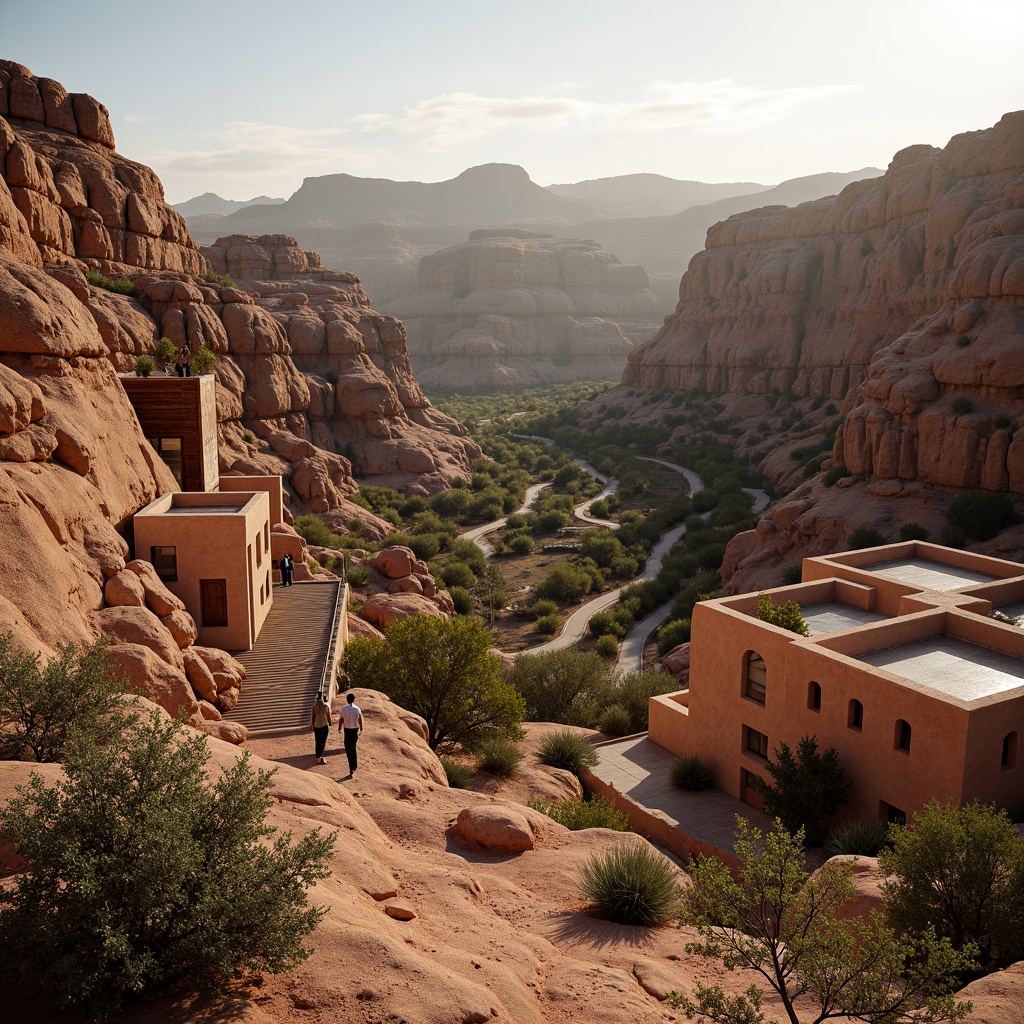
512,308
903,298
304,373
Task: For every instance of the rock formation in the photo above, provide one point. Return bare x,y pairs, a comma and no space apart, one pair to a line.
511,308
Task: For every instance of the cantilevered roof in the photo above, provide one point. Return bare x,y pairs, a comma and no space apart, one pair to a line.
954,667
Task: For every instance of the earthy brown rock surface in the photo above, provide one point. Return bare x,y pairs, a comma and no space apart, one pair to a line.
515,307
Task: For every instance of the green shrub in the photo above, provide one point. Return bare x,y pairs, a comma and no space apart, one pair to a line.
145,870
787,616
313,530
144,366
635,691
980,515
952,537
499,755
566,749
425,545
220,279
520,543
462,599
547,624
830,409
834,474
605,622
122,286
568,686
615,721
166,351
607,646
314,565
358,575
543,607
456,574
863,836
247,437
963,341
864,537
576,813
961,405
631,884
672,634
203,361
691,772
553,519
792,575
1002,420
459,775
913,531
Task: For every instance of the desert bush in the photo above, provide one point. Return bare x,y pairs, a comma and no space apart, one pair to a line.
459,775
605,622
787,616
864,537
551,520
143,872
863,836
41,708
607,646
566,749
980,515
520,543
569,582
963,340
547,625
578,813
691,772
451,504
203,361
144,366
543,607
221,279
456,574
357,575
913,531
499,755
672,634
631,884
166,351
462,599
834,474
615,721
635,691
120,285
569,686
1002,420
792,575
961,405
313,530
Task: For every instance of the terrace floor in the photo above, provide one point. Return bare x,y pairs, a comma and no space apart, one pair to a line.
920,572
954,667
833,616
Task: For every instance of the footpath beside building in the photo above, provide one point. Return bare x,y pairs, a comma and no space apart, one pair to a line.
906,673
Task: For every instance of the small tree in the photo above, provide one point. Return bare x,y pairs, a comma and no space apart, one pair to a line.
787,616
808,788
40,708
961,871
203,361
166,352
492,589
569,687
143,873
441,669
789,928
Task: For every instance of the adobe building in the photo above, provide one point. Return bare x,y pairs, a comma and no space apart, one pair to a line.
906,674
178,416
213,550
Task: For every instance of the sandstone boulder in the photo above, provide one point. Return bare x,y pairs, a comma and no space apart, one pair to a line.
124,588
199,676
496,828
383,609
159,599
182,627
229,732
160,682
138,626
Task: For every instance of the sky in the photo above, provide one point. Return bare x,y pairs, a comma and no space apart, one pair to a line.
249,98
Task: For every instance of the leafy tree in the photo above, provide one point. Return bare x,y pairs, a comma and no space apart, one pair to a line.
570,582
441,669
961,871
787,616
492,589
789,928
40,708
569,687
143,873
808,788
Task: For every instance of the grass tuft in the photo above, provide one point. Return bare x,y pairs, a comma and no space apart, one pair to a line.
631,884
568,750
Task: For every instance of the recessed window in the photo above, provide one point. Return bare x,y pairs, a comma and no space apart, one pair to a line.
901,739
259,550
1009,758
757,742
855,715
266,535
169,449
754,687
814,696
894,815
165,561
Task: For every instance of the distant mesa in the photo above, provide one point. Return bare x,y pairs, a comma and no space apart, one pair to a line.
511,307
211,204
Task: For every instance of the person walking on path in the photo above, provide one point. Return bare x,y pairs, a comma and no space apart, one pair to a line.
351,721
321,722
286,571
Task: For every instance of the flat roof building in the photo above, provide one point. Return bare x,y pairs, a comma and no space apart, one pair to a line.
214,552
906,673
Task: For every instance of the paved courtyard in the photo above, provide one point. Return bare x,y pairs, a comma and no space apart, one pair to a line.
639,770
927,575
832,616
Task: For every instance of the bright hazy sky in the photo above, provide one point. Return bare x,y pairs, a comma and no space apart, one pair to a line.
248,98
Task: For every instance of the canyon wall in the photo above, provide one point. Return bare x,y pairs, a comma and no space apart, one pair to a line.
511,307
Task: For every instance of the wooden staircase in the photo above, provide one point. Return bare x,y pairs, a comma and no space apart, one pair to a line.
287,663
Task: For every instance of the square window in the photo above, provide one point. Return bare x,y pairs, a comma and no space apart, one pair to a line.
757,742
165,561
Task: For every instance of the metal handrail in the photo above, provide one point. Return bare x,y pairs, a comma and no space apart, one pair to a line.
331,647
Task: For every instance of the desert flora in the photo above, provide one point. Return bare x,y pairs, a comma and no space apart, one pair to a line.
577,813
864,836
442,670
145,871
203,361
547,624
459,775
498,755
631,884
691,772
219,279
835,473
166,351
635,691
41,708
961,405
566,749
806,788
963,340
913,531
864,537
357,574
569,686
144,366
607,646
121,285
615,721
796,933
980,515
672,634
313,530
786,616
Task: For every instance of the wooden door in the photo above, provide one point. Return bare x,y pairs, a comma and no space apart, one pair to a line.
214,595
